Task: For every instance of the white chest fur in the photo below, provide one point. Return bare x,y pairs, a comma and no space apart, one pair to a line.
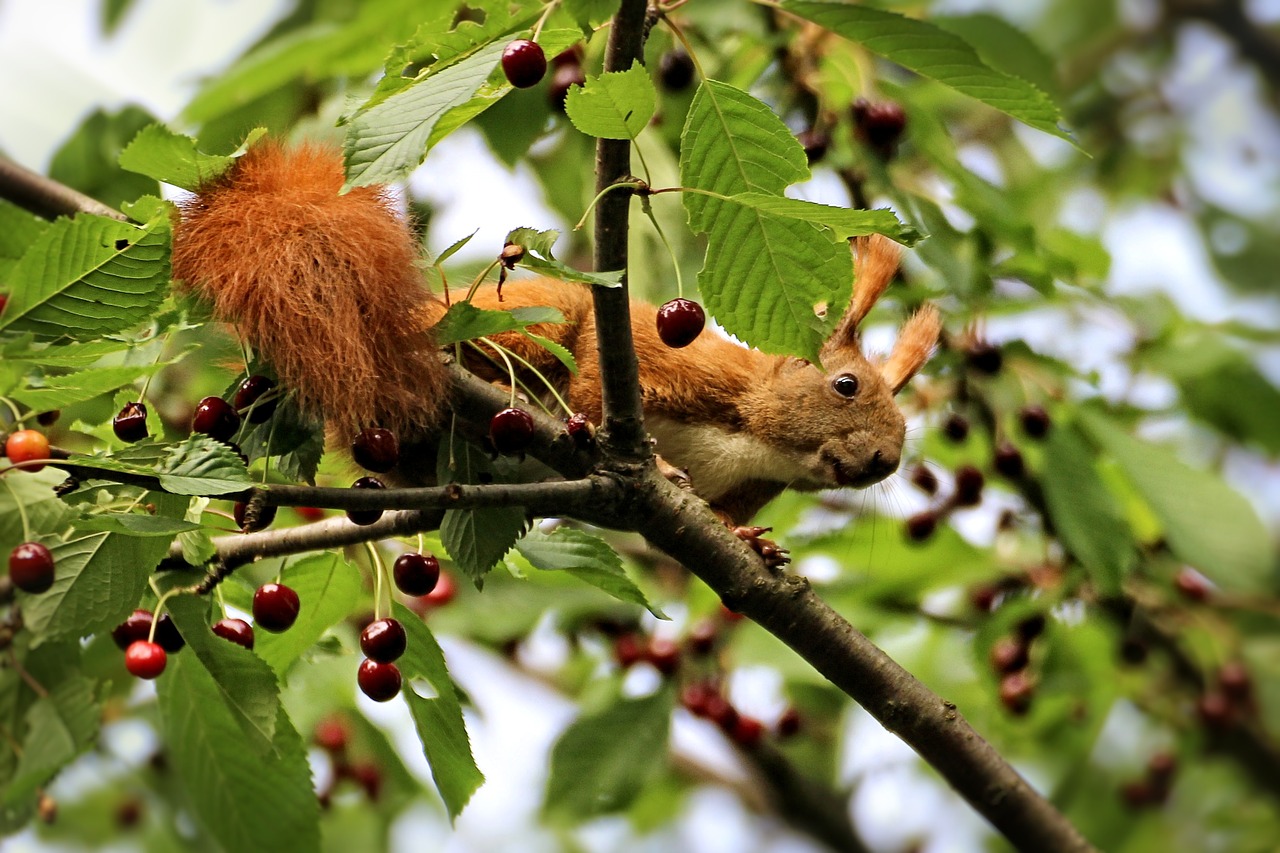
718,460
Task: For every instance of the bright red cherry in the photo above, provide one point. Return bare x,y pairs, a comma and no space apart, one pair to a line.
365,516
524,63
379,681
511,431
145,659
680,321
237,631
249,392
383,640
332,734
416,574
216,418
31,567
130,424
376,449
746,731
25,445
275,607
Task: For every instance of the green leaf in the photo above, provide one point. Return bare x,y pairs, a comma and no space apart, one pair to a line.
136,524
602,761
44,513
476,539
438,720
173,158
327,587
60,392
614,105
561,353
89,276
245,799
465,322
764,274
98,580
538,257
1085,514
202,466
87,160
388,140
18,230
197,545
59,727
1004,47
937,54
246,686
844,222
64,355
586,557
1206,522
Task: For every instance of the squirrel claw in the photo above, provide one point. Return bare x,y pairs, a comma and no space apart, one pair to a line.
679,476
774,557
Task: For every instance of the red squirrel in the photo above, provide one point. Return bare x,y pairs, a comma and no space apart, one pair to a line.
327,288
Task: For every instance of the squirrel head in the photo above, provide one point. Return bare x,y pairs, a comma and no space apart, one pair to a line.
838,422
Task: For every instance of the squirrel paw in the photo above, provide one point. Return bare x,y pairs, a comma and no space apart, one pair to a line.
774,556
679,476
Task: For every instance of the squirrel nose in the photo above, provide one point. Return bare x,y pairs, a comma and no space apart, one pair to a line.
882,465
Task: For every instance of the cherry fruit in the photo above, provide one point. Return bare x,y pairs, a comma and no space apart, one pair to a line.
1008,462
680,321
563,78
921,525
49,418
136,627
985,358
376,449
675,70
275,607
237,631
383,640
956,427
31,567
664,655
130,424
216,418
443,593
511,431
145,659
248,394
416,574
879,125
815,142
365,516
924,479
332,734
1035,421
167,635
25,445
969,483
580,431
524,63
379,681
266,515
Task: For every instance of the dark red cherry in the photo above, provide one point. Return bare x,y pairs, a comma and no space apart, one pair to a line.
564,77
31,567
376,449
985,358
879,125
969,482
746,731
215,418
580,431
921,525
956,427
145,659
136,627
789,723
924,479
680,321
1009,654
49,418
130,424
1035,421
416,574
383,640
266,515
249,392
167,635
1008,461
664,655
524,63
675,70
366,516
511,431
237,631
1016,691
379,681
815,142
275,607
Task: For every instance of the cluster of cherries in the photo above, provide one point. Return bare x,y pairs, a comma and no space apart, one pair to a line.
878,125
1010,658
333,735
31,566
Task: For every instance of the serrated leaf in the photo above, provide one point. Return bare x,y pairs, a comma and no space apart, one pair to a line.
586,557
937,54
844,222
89,276
327,587
246,686
454,247
136,524
202,466
388,140
197,545
465,322
613,105
64,355
44,513
603,761
98,580
173,158
764,274
59,727
59,392
539,258
561,353
244,799
1085,514
476,539
1206,522
18,230
438,720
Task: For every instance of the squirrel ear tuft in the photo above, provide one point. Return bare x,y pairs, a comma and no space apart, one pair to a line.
875,263
912,350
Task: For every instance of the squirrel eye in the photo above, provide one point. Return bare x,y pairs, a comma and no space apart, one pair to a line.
846,385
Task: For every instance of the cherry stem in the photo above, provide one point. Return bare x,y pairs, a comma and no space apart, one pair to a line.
35,686
523,385
680,36
18,417
647,208
378,571
535,371
542,19
146,383
26,523
484,273
634,185
155,614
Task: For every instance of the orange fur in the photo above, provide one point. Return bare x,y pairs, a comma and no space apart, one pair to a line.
325,286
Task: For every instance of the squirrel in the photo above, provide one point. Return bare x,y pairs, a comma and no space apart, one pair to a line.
327,288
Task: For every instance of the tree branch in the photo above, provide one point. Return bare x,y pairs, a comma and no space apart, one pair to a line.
46,197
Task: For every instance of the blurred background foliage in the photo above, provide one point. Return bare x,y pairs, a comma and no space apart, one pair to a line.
1103,604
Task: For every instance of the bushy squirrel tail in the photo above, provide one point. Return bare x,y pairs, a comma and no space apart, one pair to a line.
326,287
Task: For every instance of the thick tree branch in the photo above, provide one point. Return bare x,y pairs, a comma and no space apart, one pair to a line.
45,197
